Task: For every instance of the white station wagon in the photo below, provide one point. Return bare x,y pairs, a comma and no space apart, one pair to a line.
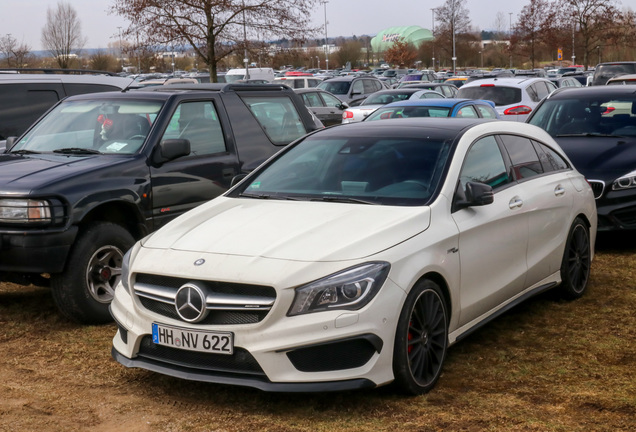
356,256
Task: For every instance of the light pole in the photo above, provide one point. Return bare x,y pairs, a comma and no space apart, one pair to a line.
433,33
510,39
481,53
454,56
121,52
573,28
245,59
326,39
318,61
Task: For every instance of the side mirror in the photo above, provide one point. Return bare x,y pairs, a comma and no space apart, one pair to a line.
475,195
237,178
8,143
171,149
479,194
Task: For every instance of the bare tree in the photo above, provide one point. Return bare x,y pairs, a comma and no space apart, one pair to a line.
534,18
215,28
15,54
62,34
595,20
453,21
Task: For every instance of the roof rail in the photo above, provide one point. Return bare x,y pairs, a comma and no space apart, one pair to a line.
57,71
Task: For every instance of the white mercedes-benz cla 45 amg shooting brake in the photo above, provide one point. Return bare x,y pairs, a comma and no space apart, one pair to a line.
356,256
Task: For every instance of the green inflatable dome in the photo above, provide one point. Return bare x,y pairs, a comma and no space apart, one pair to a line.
412,34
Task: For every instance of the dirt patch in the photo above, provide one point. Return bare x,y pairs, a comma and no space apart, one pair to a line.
547,365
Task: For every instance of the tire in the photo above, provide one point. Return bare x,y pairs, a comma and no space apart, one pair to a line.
576,263
85,289
421,339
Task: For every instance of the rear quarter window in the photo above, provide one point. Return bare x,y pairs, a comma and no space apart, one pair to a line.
277,116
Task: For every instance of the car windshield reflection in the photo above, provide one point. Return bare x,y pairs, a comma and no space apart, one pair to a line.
91,127
358,170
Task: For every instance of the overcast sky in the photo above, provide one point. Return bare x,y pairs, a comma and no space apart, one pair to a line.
24,19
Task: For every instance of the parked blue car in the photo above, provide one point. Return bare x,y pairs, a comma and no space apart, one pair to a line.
467,108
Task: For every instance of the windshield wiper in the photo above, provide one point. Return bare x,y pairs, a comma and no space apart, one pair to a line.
24,151
343,199
77,150
266,196
589,134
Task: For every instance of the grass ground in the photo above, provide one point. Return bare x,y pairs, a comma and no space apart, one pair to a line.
547,365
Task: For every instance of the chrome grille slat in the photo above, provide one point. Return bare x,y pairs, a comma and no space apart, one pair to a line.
228,303
598,187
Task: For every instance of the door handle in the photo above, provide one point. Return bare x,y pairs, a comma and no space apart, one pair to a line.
515,202
559,190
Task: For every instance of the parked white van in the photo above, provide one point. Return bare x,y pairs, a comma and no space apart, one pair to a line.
234,75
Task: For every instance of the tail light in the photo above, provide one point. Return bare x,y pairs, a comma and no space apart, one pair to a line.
608,110
347,115
518,110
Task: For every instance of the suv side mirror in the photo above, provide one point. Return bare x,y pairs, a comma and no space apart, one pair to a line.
475,195
8,143
171,149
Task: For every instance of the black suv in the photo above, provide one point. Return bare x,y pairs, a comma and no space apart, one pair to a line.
605,71
100,171
24,97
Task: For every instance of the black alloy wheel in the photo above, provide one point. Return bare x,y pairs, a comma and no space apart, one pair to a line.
421,339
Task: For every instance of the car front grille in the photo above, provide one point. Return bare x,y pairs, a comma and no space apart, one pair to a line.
227,303
598,186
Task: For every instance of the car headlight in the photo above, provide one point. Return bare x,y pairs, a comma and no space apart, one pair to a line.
350,289
125,270
627,181
24,211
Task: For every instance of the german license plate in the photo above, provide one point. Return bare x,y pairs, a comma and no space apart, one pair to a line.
186,339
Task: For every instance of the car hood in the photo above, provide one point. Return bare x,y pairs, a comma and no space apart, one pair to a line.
602,158
29,173
290,230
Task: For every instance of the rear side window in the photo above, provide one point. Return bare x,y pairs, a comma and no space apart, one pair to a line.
76,89
22,104
277,116
500,95
551,160
525,161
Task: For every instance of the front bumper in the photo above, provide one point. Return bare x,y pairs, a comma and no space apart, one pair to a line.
35,252
323,351
617,210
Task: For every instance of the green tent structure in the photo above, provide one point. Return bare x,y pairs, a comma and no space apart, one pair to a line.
412,34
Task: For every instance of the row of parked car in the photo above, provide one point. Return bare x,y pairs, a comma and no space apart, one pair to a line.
234,239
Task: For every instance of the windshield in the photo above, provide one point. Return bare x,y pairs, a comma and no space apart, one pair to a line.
335,87
232,78
581,116
386,98
499,95
409,111
369,170
604,72
94,126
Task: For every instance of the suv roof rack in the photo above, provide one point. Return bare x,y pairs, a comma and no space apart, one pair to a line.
57,71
